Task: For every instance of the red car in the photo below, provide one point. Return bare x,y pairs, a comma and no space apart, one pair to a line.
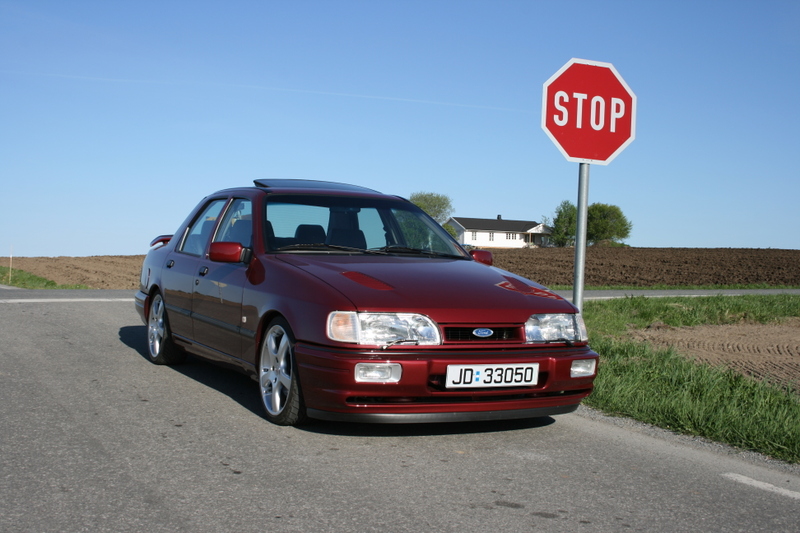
347,304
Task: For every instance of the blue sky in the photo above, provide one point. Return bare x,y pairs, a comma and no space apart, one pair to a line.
116,118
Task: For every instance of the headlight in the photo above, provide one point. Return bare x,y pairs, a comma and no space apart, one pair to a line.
382,329
562,327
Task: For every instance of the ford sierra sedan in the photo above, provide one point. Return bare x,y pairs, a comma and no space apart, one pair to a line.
346,304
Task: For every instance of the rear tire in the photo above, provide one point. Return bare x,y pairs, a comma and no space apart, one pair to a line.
278,381
160,346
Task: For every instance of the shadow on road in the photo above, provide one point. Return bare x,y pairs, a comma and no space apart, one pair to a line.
135,337
237,386
243,390
423,430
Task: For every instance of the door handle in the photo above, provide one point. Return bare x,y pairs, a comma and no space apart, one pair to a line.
204,271
170,263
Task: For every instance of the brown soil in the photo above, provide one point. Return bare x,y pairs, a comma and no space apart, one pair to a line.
96,272
764,351
760,350
645,267
637,267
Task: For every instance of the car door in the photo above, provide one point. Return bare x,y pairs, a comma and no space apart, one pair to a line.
182,266
218,287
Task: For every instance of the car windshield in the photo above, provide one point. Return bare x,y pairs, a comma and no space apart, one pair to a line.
335,224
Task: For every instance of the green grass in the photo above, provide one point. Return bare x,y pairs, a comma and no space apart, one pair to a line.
663,388
613,317
24,280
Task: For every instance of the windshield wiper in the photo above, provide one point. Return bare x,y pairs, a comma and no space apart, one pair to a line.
322,246
400,249
384,250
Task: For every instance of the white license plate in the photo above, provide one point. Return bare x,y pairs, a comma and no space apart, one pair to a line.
480,376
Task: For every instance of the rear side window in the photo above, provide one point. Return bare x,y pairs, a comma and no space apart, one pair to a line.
199,233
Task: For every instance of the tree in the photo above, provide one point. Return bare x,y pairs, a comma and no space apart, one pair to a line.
564,224
604,223
438,206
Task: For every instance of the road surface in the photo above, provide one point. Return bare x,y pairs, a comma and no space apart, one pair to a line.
93,437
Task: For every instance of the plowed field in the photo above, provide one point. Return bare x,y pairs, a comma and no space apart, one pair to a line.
646,267
638,267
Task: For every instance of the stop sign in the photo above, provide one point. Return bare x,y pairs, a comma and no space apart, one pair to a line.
589,111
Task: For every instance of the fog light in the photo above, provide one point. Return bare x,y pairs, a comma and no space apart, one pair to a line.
378,372
582,368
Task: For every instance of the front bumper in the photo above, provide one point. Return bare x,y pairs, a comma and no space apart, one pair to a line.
427,418
331,392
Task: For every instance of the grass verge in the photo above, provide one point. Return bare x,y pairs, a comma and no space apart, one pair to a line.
665,389
662,287
24,280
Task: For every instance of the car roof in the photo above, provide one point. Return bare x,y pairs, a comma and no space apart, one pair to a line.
309,185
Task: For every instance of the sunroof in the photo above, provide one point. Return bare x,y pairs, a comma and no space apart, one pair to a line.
309,184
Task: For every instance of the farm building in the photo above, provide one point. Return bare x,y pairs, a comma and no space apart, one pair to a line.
499,233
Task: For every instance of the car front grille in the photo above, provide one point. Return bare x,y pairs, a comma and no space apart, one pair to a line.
467,334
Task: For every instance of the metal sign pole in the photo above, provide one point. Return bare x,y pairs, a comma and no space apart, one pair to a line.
580,235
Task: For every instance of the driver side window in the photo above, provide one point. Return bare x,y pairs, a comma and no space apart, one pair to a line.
237,225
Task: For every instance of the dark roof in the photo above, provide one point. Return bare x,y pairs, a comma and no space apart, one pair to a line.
283,183
493,224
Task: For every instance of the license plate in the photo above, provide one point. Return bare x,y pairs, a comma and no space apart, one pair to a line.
480,376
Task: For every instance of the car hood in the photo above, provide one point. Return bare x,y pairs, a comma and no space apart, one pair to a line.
447,290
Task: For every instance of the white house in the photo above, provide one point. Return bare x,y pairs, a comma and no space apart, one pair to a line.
499,233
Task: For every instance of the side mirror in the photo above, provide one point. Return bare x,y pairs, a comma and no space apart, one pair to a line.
229,252
482,256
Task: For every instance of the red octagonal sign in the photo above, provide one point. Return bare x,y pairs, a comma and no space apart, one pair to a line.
589,111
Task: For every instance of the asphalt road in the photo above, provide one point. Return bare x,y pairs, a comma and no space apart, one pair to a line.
95,438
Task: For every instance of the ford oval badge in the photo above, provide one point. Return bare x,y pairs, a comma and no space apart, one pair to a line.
482,332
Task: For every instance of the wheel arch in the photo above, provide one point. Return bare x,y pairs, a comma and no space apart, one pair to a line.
261,331
151,292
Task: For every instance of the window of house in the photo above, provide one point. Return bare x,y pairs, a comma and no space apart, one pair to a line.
491,235
474,235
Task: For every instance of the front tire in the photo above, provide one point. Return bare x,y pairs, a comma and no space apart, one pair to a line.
160,346
277,376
